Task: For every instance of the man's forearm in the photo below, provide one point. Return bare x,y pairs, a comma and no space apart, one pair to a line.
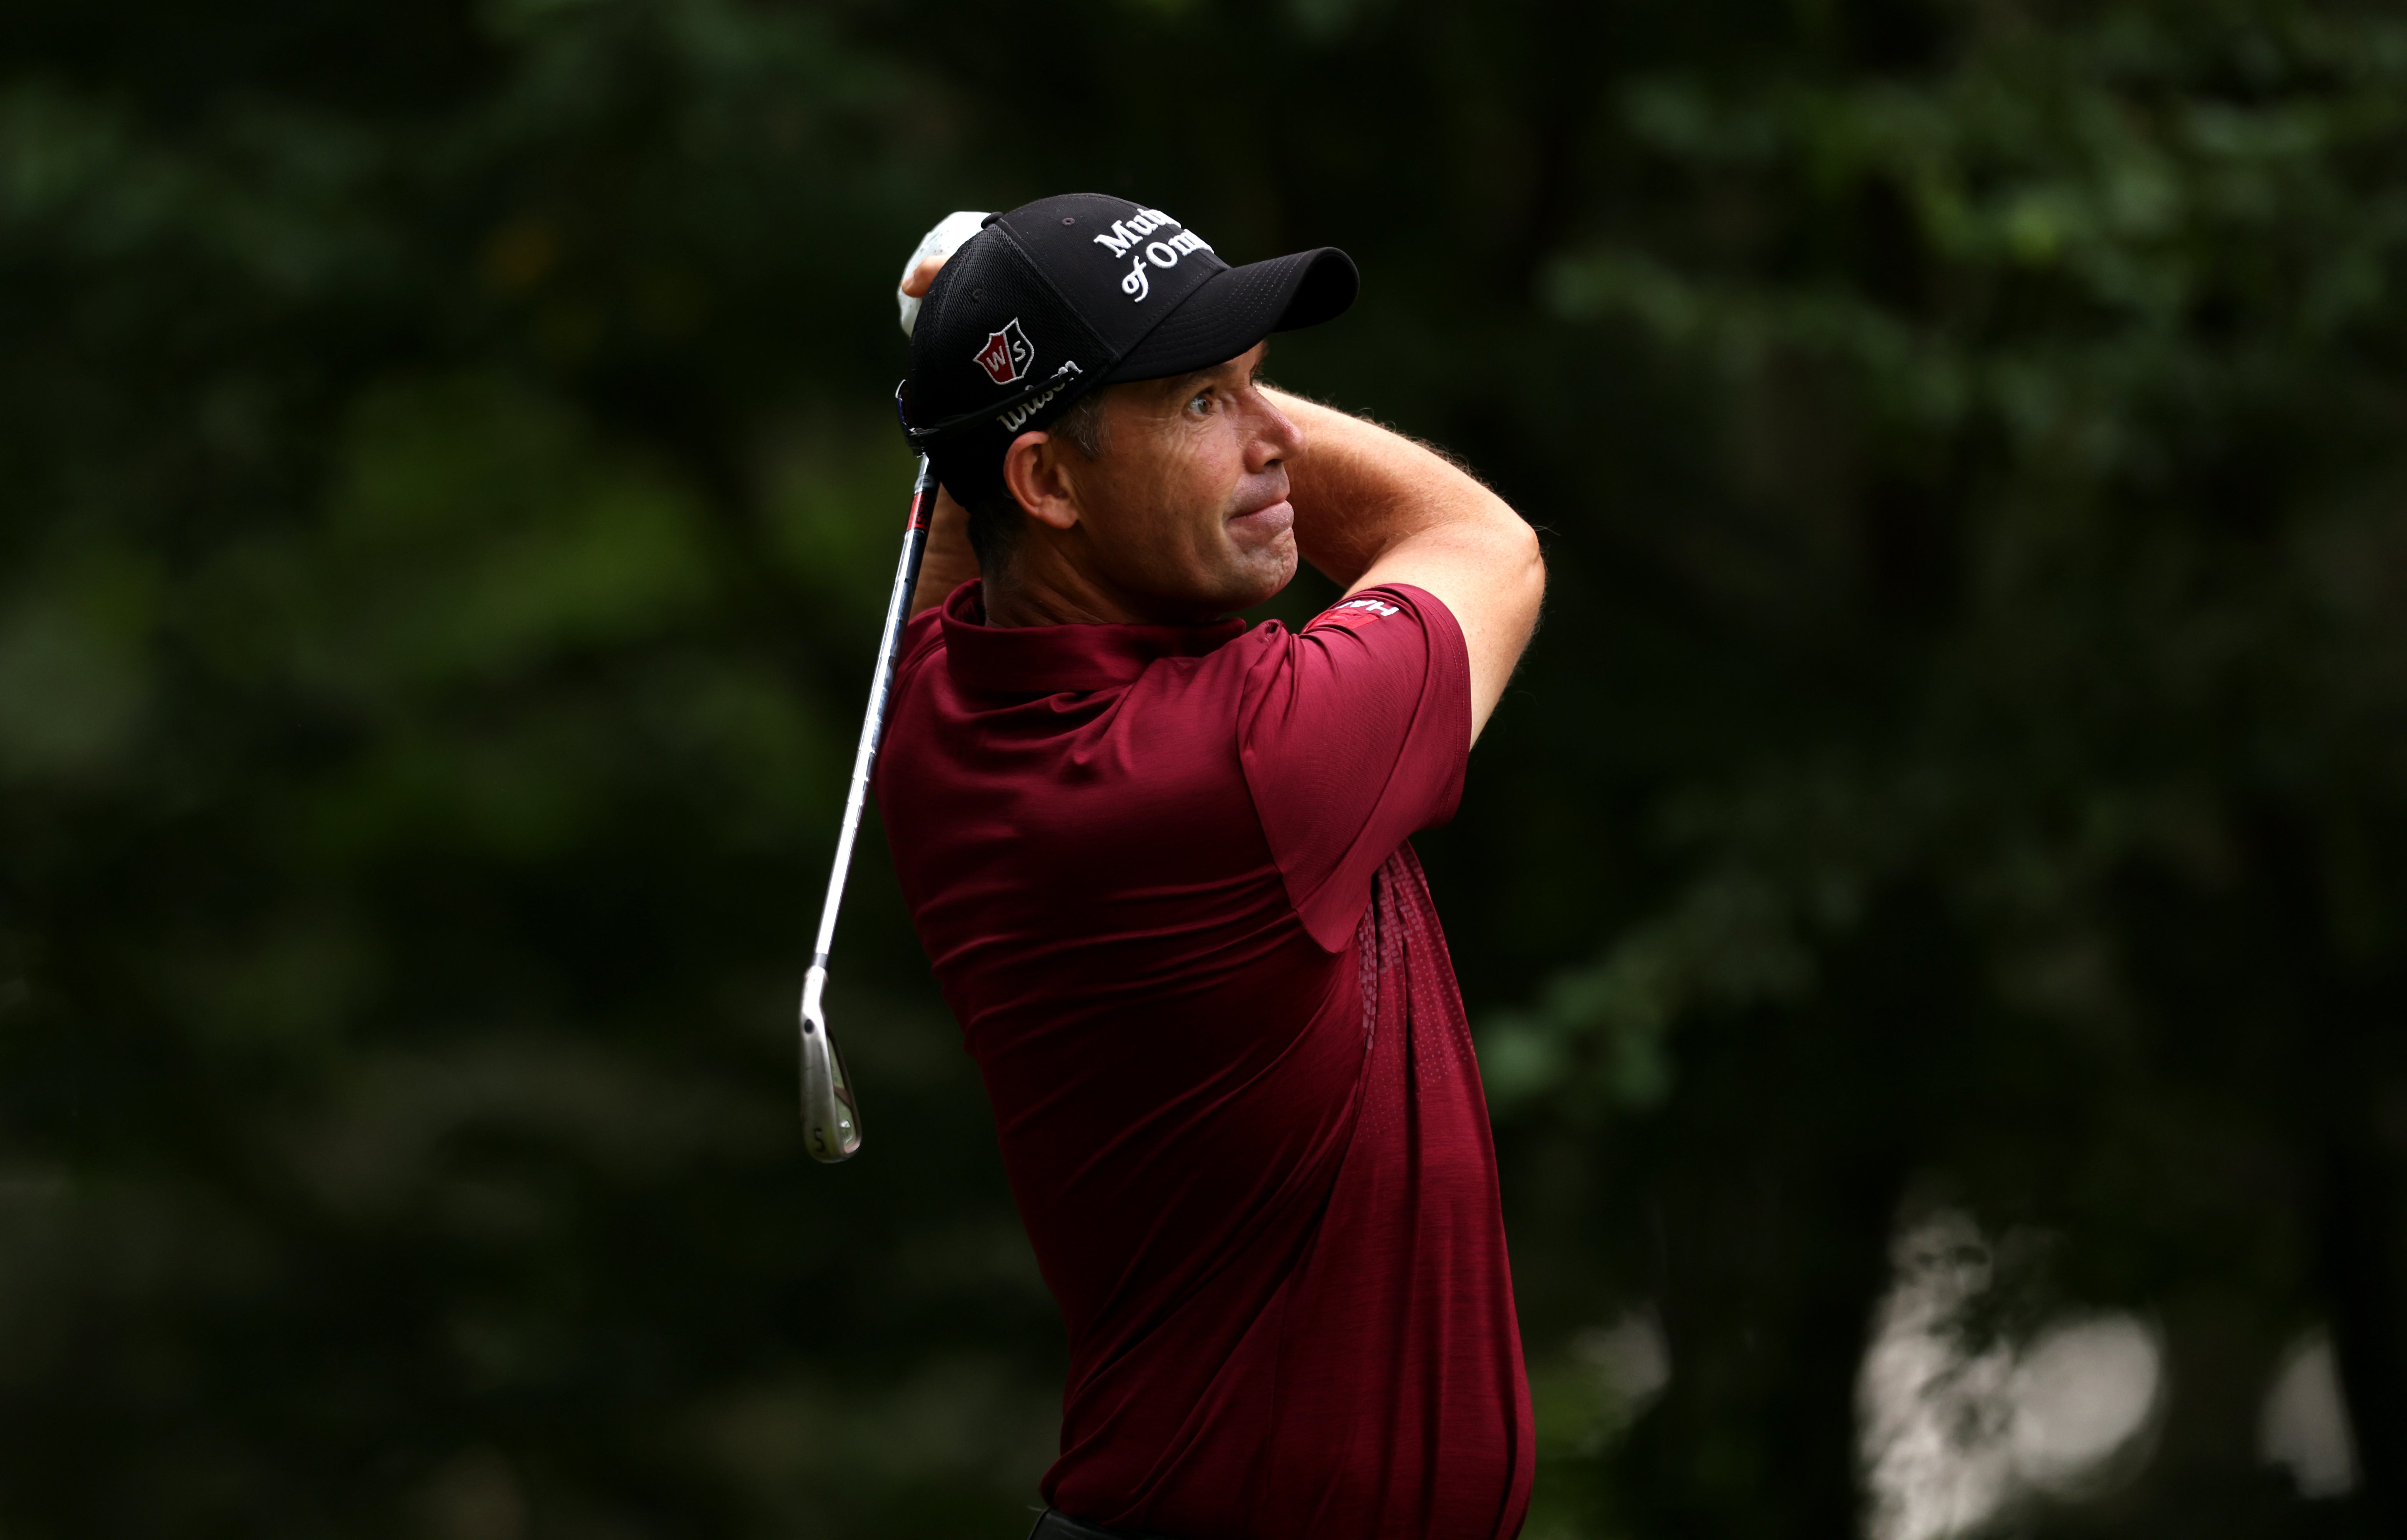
1361,490
949,562
1372,507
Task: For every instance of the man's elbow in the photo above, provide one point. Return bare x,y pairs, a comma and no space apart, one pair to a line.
1525,560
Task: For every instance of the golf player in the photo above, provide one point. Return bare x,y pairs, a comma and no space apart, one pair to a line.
1159,861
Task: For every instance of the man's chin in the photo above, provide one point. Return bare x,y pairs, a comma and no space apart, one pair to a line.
1261,582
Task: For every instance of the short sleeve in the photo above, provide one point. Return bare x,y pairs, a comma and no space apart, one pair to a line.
1354,735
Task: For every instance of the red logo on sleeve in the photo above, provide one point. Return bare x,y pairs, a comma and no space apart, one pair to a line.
1354,614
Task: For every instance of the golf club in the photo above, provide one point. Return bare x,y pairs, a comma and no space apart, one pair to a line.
830,1107
831,1103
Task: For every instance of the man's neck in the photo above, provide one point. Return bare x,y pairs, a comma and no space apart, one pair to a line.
1015,604
1038,587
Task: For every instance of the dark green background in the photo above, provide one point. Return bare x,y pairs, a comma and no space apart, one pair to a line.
446,491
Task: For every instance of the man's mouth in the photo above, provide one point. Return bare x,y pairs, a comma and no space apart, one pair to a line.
1269,521
1266,522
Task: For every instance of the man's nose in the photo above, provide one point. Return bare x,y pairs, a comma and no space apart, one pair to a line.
1275,437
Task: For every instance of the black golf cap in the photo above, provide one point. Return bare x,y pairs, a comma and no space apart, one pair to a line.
1067,293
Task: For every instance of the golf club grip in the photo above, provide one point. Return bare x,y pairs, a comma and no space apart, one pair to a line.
831,1107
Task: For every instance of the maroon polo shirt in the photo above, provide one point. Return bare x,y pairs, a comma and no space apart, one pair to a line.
1162,875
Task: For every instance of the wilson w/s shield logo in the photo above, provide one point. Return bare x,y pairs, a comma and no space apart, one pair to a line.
1006,357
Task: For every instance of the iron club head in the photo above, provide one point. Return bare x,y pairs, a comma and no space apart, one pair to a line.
831,1117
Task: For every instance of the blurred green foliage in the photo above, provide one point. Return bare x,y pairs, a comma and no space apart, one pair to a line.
446,491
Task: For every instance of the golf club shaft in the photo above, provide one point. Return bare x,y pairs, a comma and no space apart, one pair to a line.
831,1110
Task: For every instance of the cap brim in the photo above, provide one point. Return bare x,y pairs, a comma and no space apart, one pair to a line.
1238,308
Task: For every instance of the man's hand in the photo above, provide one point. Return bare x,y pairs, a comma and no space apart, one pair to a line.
949,562
921,268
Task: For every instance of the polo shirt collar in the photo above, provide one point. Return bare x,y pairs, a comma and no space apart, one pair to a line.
1052,659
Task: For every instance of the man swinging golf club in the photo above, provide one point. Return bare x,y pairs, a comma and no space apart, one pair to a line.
1159,863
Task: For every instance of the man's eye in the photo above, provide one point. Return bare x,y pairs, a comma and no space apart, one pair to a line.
1203,402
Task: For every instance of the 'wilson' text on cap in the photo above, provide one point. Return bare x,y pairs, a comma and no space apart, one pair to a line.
1062,377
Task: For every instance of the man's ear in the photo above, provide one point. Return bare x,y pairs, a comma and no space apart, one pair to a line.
1033,473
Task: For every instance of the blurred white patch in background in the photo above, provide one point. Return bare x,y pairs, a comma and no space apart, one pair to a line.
1933,1417
1629,1355
1587,1397
1953,1430
2304,1425
2083,1389
1585,1394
